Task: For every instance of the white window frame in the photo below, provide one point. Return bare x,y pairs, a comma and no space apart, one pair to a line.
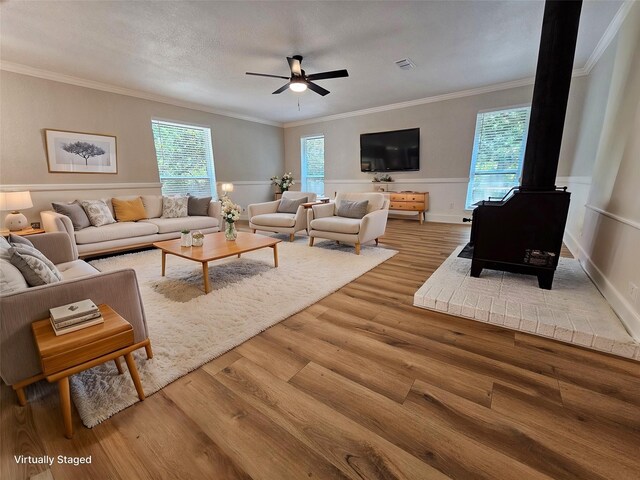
211,174
303,162
476,141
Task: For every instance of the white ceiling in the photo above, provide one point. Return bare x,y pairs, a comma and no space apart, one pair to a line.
199,51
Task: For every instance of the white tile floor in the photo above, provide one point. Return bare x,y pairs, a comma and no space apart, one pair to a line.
574,311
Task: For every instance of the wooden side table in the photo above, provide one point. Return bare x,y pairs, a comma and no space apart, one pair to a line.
62,356
23,233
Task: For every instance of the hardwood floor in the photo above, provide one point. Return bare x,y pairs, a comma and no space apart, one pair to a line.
363,385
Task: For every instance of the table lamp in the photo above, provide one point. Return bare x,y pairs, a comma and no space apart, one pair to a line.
226,188
14,202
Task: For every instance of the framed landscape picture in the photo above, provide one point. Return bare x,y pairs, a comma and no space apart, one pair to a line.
77,152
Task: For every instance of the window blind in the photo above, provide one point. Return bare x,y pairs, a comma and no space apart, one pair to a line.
498,151
313,164
185,159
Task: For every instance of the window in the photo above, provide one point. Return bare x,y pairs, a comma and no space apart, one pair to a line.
498,151
313,164
185,159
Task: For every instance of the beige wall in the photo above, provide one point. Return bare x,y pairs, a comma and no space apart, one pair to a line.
244,151
605,234
447,130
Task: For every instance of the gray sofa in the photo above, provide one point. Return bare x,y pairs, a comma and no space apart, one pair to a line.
19,361
128,235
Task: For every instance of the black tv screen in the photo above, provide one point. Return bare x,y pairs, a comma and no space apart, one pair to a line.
390,151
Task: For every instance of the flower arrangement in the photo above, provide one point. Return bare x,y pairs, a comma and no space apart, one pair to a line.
230,211
283,183
385,177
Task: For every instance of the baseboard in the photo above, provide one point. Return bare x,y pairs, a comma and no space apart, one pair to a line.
630,319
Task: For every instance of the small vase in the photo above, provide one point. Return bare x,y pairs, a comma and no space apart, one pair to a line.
185,239
230,232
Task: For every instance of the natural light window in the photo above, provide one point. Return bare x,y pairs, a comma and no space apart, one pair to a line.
185,159
498,151
312,154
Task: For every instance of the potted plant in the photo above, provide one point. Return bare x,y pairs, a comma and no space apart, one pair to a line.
185,238
283,183
197,238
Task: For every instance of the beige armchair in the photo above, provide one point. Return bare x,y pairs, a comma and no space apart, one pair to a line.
325,223
265,216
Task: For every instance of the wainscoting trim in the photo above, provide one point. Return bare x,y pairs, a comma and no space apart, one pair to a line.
59,187
401,180
615,217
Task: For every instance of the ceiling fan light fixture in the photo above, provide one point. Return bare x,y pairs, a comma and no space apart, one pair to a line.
298,87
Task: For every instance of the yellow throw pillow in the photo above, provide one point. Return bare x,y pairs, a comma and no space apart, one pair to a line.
129,210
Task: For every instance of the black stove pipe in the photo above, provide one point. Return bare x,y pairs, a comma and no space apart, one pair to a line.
550,94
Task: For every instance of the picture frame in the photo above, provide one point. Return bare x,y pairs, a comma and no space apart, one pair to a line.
80,152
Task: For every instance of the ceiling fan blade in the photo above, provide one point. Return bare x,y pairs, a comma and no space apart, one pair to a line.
281,89
326,75
317,88
294,64
267,75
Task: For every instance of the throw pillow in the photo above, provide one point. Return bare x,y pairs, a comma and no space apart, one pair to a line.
75,212
129,210
198,206
152,205
98,212
175,207
287,205
11,278
34,266
4,248
18,240
349,209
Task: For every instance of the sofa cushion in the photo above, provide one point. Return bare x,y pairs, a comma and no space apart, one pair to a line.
152,205
349,209
98,212
376,200
288,205
275,219
129,210
75,212
76,269
34,266
198,206
114,231
169,225
175,206
18,240
11,278
336,224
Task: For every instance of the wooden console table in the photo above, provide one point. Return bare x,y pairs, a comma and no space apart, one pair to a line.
410,202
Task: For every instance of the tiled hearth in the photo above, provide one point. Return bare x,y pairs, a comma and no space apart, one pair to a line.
574,311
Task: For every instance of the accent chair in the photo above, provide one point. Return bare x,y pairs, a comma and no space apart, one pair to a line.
275,217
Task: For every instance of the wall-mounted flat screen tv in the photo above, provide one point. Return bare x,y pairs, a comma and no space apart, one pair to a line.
390,151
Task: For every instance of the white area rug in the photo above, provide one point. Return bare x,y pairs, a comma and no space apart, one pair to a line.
188,328
574,311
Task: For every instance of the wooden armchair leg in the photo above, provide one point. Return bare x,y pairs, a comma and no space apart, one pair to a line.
311,239
255,230
358,248
147,348
377,241
292,236
22,398
118,365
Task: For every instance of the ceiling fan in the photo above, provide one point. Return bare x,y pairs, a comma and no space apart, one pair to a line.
300,81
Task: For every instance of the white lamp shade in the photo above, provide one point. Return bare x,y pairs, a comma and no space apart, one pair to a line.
15,201
227,187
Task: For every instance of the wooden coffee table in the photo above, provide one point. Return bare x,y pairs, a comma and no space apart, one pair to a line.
215,247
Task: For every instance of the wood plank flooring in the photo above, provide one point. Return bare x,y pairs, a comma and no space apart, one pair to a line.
362,385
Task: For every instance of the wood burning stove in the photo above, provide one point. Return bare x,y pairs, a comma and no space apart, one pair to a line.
522,233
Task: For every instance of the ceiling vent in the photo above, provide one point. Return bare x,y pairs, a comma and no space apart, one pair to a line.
405,64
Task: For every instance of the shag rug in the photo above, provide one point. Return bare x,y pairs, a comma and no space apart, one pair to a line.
188,328
574,311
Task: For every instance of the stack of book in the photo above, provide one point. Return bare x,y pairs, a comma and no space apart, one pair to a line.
75,316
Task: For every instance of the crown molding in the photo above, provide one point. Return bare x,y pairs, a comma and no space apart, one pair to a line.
608,35
105,87
579,72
